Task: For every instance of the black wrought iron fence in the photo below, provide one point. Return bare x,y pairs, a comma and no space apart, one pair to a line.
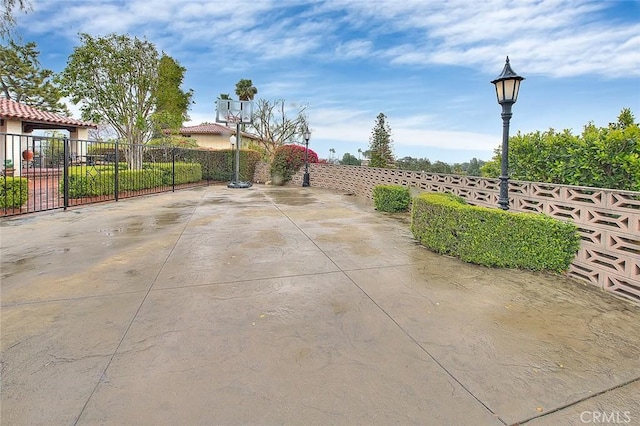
44,173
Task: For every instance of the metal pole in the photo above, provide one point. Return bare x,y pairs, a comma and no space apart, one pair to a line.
116,172
237,176
65,167
173,169
504,174
305,181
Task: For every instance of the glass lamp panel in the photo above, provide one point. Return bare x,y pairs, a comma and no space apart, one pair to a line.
509,90
516,89
499,91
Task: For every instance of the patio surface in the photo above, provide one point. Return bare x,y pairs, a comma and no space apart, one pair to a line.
286,305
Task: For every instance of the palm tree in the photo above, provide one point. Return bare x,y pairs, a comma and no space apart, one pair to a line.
359,153
245,90
331,153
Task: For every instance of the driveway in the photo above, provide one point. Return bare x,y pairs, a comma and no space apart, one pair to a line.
287,305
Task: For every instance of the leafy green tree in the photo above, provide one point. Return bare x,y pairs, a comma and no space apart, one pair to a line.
473,169
53,149
22,79
606,157
245,90
625,119
414,164
116,80
441,167
380,143
350,160
172,103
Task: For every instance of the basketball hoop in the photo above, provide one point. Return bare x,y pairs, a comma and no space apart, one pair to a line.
232,119
237,112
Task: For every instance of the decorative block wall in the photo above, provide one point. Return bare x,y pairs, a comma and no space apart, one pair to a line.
608,220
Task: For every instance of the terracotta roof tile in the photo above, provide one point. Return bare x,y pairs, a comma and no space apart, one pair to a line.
13,109
210,129
213,129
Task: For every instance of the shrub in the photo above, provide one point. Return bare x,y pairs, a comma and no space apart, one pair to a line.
493,237
287,160
13,192
89,181
391,198
184,172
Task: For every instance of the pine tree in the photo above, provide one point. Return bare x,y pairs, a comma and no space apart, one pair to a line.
23,80
380,144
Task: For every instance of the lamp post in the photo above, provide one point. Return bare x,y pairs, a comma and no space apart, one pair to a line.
306,135
507,87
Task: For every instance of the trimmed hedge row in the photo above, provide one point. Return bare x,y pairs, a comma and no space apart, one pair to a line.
218,165
85,182
493,237
13,192
391,198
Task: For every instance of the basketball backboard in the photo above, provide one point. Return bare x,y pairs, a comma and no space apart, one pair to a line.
228,111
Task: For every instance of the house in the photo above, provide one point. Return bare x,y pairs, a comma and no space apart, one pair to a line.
216,136
18,121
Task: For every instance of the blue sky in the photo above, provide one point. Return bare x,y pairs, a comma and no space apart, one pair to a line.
426,64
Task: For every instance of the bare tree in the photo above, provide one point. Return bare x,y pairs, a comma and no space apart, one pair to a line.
274,127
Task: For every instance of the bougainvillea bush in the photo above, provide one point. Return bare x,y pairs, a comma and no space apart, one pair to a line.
287,161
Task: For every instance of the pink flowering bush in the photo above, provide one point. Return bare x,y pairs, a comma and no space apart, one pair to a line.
287,161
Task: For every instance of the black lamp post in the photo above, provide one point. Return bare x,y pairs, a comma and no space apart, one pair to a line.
306,135
507,87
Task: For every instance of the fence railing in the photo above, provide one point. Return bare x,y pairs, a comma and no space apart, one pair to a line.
46,173
608,220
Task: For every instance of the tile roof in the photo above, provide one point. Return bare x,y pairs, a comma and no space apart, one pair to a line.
15,110
213,129
208,128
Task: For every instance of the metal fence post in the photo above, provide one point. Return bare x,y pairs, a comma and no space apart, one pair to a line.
65,172
115,174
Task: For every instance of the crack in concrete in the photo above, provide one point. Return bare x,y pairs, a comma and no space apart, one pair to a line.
571,404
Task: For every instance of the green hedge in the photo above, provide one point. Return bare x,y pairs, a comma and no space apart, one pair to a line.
218,165
100,180
493,237
13,192
391,198
185,172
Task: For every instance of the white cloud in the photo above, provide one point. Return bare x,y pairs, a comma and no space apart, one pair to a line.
344,125
552,37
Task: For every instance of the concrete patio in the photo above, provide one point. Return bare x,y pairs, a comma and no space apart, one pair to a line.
287,305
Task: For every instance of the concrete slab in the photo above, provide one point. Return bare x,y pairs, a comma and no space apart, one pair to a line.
291,306
312,350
